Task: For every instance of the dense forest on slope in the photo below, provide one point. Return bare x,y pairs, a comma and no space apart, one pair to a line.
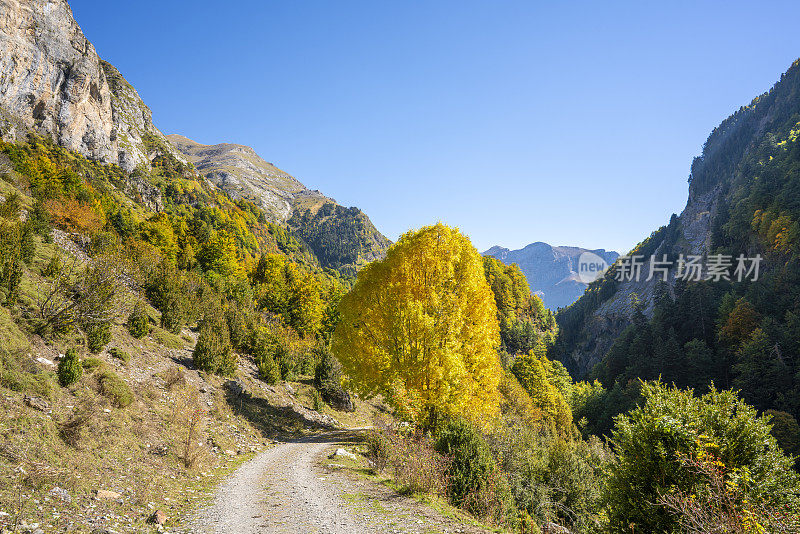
742,335
341,238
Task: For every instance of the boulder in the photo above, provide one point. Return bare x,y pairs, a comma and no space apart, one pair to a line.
552,528
107,495
36,403
158,517
342,453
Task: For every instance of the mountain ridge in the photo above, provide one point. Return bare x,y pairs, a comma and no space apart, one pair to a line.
550,269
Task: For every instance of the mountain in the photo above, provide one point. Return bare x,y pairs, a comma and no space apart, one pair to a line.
341,238
551,271
241,173
53,82
744,199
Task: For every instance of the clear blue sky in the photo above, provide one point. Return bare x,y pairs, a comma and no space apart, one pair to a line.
567,122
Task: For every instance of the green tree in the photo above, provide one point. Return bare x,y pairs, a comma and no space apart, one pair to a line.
213,352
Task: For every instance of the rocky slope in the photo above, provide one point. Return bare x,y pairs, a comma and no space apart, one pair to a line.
53,82
590,326
241,173
551,271
341,238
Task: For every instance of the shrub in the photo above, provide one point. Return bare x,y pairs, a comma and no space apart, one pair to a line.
378,450
213,352
69,368
120,354
238,327
651,440
328,380
471,463
98,336
173,377
138,323
114,388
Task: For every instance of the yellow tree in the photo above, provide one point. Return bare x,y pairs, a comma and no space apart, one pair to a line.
421,327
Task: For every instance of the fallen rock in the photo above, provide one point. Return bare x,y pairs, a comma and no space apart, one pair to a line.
552,528
61,494
343,453
230,452
236,387
158,517
107,495
36,403
45,361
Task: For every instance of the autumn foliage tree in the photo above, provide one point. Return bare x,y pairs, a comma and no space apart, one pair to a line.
420,326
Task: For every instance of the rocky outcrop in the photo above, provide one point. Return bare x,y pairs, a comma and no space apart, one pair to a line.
53,82
241,173
550,271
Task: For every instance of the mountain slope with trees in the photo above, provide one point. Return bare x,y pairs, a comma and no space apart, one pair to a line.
743,199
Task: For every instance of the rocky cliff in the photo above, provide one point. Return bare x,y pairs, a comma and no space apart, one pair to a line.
591,325
551,271
52,82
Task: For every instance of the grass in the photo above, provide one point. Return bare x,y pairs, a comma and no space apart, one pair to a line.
167,339
14,339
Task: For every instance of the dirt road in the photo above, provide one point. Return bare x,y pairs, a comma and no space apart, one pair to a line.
290,489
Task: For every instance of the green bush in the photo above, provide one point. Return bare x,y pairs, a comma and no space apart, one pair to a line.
114,388
138,323
213,352
471,463
651,440
120,354
98,336
379,450
69,368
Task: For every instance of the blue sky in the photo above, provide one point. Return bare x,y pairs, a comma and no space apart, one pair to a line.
572,123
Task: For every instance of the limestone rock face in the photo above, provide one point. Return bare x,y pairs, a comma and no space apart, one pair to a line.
52,82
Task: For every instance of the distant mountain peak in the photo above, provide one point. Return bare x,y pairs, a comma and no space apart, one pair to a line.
550,270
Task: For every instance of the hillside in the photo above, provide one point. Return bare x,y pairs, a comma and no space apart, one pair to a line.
743,200
243,174
340,238
551,271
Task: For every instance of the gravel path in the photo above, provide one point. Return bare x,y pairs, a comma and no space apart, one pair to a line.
286,489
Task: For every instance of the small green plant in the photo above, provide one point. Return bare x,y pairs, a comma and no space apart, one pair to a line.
92,364
98,336
138,323
69,368
120,354
114,388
